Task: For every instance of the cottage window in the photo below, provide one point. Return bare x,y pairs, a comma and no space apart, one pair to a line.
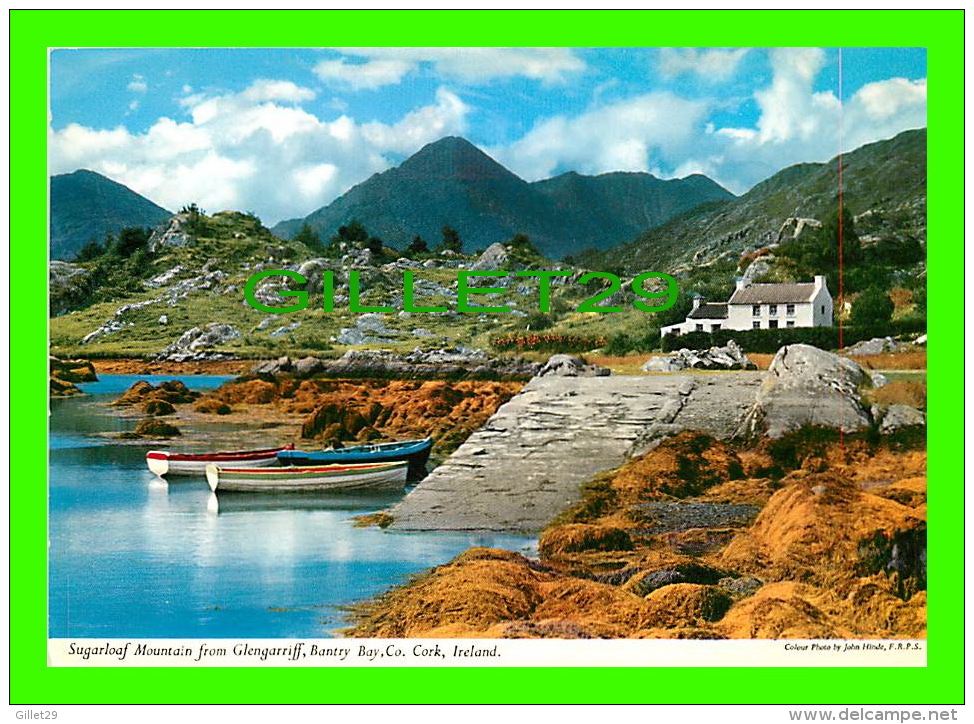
715,328
755,325
790,323
773,324
756,310
823,309
699,327
790,310
772,309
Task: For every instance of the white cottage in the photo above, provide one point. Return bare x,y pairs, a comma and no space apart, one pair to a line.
761,306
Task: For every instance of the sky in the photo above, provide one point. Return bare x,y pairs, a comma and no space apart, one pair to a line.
282,132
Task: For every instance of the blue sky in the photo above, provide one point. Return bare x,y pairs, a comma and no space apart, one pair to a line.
282,132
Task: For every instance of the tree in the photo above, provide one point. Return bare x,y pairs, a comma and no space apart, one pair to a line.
451,239
91,250
374,244
308,236
872,308
417,246
352,234
195,223
522,242
132,239
826,250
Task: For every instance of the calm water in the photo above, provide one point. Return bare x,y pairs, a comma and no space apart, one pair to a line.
134,556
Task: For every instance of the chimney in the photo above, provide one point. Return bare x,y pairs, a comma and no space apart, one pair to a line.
819,282
741,284
696,303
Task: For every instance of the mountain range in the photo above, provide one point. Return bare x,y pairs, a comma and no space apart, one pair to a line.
452,182
884,189
85,206
633,221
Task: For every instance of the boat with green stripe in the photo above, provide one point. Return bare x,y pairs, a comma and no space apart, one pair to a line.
368,476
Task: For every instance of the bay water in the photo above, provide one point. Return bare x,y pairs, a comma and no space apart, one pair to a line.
134,556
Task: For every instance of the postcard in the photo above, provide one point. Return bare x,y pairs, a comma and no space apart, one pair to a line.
560,357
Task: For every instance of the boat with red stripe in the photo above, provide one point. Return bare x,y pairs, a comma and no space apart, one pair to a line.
163,462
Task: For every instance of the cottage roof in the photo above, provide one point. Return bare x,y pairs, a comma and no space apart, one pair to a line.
709,310
773,294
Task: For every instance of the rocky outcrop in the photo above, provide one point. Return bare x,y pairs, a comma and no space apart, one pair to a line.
899,417
728,357
72,370
494,258
441,363
159,408
193,343
173,392
808,386
60,388
154,427
566,365
64,373
795,227
369,328
877,345
68,286
173,234
344,410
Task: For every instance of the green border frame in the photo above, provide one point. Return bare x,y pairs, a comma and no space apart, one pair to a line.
33,31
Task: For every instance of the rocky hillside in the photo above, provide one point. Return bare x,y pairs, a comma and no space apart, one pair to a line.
85,206
885,192
180,297
453,182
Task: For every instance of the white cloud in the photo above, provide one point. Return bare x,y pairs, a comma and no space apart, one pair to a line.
473,65
799,124
133,106
671,136
622,136
257,149
137,84
277,90
711,64
370,74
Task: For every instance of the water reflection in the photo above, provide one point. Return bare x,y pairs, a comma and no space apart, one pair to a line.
135,555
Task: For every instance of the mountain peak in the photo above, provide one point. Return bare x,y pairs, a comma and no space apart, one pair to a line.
85,205
454,157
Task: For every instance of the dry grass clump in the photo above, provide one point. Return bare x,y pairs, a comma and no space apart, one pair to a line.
687,604
578,537
792,610
684,465
913,394
780,611
911,492
479,588
914,359
821,528
607,610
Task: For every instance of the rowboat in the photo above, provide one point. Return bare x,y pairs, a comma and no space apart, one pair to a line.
369,476
415,452
168,463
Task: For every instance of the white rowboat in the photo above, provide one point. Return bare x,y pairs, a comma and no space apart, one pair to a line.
369,476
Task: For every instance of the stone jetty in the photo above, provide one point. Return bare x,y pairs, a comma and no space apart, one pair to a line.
527,463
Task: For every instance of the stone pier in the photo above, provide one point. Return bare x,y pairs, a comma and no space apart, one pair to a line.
527,463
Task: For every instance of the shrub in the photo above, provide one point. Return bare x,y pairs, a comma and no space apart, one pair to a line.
546,342
769,341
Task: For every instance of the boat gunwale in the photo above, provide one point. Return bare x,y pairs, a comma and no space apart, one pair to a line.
286,471
227,456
